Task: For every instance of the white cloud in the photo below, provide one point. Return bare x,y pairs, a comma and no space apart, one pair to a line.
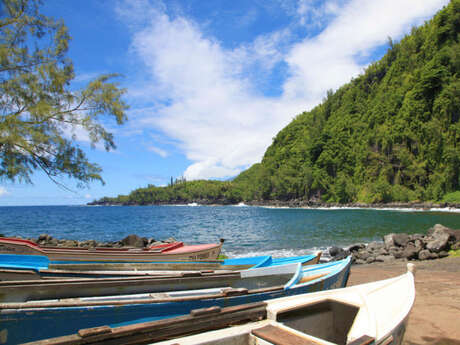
211,105
313,13
331,58
3,191
158,151
88,196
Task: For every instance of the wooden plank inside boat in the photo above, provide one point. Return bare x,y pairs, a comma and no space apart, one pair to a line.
363,340
279,336
197,321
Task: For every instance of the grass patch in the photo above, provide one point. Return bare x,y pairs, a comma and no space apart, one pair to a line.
222,257
455,253
453,197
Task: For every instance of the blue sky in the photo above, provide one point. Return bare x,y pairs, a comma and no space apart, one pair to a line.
211,82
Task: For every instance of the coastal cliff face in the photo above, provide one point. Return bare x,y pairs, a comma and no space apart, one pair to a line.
390,135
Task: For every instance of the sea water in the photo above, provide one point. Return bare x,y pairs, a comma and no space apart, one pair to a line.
246,230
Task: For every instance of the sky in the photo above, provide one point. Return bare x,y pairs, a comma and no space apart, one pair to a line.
211,82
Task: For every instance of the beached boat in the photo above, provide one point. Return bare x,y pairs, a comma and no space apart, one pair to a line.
27,267
34,320
176,251
371,314
42,289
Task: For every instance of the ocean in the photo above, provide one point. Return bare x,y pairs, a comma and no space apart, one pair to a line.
247,230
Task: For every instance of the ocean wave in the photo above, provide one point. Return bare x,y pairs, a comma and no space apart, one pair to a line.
276,253
397,209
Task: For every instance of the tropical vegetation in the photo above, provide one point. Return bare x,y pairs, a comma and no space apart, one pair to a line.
391,134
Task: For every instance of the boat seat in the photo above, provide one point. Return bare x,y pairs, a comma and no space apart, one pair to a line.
280,336
363,340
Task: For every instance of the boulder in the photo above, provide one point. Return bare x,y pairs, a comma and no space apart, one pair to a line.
419,244
381,251
374,246
443,254
434,255
334,251
370,260
91,243
400,240
133,241
410,252
438,228
356,247
341,256
389,241
413,237
384,258
439,240
43,238
363,254
68,243
424,254
53,242
359,262
395,251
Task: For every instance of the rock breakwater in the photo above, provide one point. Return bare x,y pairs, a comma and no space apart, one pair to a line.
131,241
435,243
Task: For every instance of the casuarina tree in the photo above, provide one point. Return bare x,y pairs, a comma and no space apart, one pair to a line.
41,112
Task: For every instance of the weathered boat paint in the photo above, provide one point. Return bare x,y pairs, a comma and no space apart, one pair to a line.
22,324
168,252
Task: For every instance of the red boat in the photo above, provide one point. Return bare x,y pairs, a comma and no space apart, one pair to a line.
176,251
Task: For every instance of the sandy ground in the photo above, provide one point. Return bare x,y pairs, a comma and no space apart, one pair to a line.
435,317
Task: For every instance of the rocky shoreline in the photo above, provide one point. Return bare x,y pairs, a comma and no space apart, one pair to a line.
297,203
436,243
131,241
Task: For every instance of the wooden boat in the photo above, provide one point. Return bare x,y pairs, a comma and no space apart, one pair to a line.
367,314
35,320
33,267
42,289
176,251
227,264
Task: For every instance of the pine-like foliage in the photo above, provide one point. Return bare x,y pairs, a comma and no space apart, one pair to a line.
40,111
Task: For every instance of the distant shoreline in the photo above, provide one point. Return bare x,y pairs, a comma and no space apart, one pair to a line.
301,204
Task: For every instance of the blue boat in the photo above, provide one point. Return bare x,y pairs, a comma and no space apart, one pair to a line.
25,267
30,321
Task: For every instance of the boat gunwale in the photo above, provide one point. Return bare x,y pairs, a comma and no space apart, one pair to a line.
228,293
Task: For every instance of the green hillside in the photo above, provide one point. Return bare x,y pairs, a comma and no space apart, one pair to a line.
391,134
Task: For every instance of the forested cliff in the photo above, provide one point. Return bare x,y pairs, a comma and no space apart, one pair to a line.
391,134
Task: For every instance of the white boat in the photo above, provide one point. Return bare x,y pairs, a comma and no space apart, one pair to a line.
372,313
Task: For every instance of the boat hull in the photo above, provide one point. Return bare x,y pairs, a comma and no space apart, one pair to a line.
372,314
23,325
30,267
187,253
